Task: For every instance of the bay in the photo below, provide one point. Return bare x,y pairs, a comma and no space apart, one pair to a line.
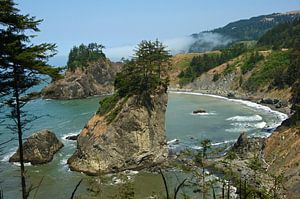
223,122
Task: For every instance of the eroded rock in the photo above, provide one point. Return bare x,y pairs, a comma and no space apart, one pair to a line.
39,148
96,79
134,140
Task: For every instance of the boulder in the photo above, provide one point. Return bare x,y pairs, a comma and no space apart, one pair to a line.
199,111
39,148
72,137
135,139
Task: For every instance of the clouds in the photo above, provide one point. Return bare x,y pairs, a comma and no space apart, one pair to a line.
204,41
174,45
117,53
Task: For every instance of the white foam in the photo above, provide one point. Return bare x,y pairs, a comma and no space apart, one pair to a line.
25,164
238,130
64,137
130,172
258,125
239,118
281,116
203,114
9,154
174,141
64,161
224,142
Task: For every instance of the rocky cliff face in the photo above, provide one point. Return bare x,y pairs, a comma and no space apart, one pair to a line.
96,79
282,153
135,139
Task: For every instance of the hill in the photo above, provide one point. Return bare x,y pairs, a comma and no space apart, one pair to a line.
241,30
267,73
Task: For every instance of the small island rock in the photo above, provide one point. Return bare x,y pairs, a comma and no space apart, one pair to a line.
199,111
39,148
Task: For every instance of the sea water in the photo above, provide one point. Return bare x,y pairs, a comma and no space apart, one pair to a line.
222,123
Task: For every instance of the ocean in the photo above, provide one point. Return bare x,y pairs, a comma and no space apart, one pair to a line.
222,123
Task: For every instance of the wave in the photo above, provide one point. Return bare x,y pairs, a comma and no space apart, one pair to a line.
64,137
25,164
258,125
86,113
239,118
65,122
238,129
203,114
9,154
281,116
223,142
174,141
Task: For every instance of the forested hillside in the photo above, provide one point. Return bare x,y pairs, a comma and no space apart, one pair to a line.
270,66
242,30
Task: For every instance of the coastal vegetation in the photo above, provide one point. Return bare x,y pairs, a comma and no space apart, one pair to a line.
80,56
21,63
140,76
139,134
205,62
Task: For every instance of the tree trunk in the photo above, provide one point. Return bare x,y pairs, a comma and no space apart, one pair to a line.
20,133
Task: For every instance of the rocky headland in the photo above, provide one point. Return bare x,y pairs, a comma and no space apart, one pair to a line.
95,79
133,140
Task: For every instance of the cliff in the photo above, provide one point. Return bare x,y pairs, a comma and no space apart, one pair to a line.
134,139
95,79
282,153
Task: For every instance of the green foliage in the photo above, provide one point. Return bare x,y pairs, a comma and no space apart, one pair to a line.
145,72
295,118
255,27
140,76
216,77
21,63
231,155
107,104
80,56
183,64
281,36
272,68
203,63
230,68
251,61
125,189
255,164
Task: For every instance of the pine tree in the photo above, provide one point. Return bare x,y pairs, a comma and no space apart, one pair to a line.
20,66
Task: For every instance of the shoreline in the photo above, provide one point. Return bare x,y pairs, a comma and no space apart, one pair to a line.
227,96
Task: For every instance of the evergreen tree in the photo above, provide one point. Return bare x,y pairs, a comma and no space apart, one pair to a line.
146,71
20,65
80,56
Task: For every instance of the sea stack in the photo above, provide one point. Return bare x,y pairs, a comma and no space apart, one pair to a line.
96,78
134,140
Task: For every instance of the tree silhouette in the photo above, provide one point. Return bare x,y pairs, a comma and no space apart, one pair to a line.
21,63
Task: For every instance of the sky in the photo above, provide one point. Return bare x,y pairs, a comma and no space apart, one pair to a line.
121,24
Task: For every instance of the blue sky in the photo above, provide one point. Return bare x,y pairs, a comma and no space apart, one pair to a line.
118,24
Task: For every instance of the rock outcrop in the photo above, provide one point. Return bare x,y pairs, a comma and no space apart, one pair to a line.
39,148
282,153
199,111
95,79
134,140
248,147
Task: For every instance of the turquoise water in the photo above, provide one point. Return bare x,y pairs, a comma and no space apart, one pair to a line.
223,122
